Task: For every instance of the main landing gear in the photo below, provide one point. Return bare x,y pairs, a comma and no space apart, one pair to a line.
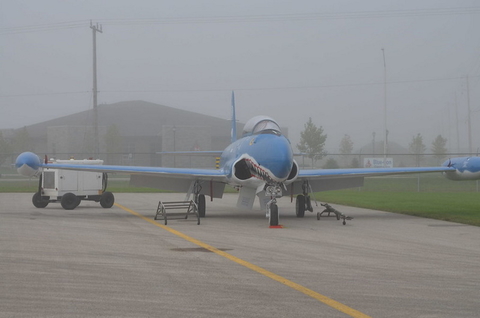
303,202
199,199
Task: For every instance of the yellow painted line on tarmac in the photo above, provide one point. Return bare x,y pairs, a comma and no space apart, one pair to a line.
324,299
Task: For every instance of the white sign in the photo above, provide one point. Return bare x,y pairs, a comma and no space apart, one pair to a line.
378,162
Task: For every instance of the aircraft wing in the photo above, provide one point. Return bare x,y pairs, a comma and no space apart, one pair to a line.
335,179
192,153
173,172
212,181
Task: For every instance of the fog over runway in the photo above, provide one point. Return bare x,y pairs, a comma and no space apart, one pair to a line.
115,262
343,63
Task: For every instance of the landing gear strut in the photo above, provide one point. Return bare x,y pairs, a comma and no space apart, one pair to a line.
274,192
199,199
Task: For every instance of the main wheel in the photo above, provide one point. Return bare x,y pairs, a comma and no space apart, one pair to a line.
69,201
38,202
107,200
300,206
273,215
201,205
308,203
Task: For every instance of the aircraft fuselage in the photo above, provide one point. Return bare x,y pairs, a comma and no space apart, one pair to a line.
254,159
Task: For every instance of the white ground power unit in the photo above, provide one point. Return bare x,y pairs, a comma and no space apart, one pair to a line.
71,187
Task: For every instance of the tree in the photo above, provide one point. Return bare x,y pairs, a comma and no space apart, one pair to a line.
355,163
439,148
331,164
5,149
346,148
417,148
312,141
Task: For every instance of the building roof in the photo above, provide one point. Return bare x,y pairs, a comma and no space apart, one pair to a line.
134,118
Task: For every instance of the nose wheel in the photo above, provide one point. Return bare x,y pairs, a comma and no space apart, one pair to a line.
273,214
274,192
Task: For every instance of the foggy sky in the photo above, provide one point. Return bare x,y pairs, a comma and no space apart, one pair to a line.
280,62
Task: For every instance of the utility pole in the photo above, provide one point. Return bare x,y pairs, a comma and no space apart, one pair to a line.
373,144
95,28
385,132
469,122
456,124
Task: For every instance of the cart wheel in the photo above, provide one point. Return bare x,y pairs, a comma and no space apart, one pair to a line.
38,201
78,202
107,199
69,201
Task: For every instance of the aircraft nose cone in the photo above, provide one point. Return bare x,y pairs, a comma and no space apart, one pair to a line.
277,155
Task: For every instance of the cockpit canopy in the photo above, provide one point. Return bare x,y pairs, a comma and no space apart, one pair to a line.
259,124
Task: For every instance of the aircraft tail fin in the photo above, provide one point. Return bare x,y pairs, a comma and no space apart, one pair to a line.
233,134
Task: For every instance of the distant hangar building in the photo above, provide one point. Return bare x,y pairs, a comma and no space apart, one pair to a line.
131,133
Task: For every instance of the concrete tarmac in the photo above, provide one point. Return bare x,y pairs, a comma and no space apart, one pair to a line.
95,262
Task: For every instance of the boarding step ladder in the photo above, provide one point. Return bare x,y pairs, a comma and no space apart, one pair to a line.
170,210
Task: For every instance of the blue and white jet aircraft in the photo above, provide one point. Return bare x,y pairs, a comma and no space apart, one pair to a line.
261,163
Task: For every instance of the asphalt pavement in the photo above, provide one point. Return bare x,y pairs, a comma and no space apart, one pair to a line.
119,262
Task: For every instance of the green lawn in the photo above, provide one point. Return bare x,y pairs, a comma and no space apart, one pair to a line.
430,196
455,207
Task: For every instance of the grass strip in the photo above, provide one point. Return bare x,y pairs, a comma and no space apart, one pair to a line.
455,207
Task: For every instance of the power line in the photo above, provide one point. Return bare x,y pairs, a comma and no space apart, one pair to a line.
297,17
44,27
247,88
45,94
286,87
249,18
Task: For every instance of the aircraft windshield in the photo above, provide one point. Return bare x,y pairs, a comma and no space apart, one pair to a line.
259,124
265,125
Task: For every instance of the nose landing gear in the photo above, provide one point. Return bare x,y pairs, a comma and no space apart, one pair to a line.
274,192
